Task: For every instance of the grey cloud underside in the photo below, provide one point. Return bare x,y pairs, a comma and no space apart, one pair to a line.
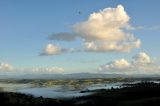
63,36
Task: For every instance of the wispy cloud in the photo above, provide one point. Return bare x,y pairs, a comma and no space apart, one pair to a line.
154,28
89,61
129,27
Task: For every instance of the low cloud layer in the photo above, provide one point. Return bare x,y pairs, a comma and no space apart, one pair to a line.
5,67
49,70
140,64
105,31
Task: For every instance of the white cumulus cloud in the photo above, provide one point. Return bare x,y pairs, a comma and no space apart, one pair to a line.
141,64
106,30
116,65
52,49
142,58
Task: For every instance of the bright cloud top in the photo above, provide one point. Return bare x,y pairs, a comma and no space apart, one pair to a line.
104,25
141,63
106,30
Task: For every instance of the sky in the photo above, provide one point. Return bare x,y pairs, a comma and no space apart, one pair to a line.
73,36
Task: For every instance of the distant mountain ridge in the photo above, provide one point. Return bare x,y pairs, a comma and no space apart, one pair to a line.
74,76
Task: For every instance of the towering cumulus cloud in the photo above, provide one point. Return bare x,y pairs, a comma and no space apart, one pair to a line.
106,30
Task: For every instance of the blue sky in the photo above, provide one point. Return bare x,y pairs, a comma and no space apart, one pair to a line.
26,24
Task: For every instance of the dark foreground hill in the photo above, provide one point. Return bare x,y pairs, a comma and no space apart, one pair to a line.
141,94
17,99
